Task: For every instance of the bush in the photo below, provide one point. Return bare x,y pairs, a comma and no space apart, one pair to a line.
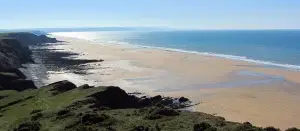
271,129
157,113
93,118
247,126
202,126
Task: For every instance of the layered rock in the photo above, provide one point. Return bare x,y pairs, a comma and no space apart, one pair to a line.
14,52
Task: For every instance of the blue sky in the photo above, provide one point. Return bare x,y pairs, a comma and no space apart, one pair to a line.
199,14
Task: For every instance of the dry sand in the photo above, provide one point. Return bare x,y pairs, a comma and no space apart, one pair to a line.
236,90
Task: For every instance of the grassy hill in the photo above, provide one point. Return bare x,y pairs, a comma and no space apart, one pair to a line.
63,106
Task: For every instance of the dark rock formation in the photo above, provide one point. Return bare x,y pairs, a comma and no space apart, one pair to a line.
113,97
14,52
183,99
61,86
19,85
31,39
15,80
85,86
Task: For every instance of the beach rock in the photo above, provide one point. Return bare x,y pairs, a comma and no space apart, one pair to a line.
156,98
61,86
183,99
85,86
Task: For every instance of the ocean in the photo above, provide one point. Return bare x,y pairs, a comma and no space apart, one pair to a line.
274,48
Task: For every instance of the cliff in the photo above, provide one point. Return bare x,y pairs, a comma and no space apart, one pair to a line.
14,52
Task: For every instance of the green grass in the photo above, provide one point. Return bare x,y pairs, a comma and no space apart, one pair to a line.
42,100
118,119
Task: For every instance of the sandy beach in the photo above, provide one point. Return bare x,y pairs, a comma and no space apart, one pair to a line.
236,90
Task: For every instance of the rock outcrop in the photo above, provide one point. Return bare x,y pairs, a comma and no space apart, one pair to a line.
61,86
31,39
14,52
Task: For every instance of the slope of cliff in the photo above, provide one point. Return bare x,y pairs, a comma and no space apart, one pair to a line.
63,106
14,52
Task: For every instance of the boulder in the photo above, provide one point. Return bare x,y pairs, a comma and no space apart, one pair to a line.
61,86
183,99
113,97
85,86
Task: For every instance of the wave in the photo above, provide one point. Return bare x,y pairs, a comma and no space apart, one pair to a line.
231,57
226,56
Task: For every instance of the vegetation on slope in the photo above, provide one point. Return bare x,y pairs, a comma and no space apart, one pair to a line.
63,106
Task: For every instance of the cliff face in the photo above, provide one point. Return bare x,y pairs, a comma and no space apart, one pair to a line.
14,52
30,39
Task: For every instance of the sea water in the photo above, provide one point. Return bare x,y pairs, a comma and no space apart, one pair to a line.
276,48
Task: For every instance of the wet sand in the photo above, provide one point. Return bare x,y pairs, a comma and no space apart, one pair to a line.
237,90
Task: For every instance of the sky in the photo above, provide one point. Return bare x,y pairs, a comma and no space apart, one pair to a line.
186,14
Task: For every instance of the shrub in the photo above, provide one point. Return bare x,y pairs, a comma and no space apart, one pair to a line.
202,126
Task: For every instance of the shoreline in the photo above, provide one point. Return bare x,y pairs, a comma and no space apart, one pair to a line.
258,62
134,69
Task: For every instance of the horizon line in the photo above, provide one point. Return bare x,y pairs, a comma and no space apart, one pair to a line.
141,27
